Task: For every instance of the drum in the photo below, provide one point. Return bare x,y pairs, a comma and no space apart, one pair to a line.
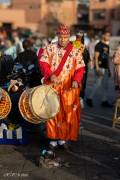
5,104
39,104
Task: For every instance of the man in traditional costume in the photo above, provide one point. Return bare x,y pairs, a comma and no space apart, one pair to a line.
62,66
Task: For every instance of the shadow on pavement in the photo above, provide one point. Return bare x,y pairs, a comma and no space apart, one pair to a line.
90,158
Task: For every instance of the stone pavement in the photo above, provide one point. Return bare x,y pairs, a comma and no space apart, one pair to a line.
94,157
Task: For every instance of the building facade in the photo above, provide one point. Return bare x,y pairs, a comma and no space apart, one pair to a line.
83,14
39,15
104,13
85,2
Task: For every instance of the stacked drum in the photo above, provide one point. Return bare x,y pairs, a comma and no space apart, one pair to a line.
5,104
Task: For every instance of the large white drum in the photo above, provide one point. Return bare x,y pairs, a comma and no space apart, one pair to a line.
39,104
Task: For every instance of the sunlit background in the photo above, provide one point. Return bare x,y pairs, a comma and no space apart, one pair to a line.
43,16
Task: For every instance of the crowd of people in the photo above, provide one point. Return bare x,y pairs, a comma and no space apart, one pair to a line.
64,64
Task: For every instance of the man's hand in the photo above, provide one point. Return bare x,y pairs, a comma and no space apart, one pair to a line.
15,88
54,79
74,84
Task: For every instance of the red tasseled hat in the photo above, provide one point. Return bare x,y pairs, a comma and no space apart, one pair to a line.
63,30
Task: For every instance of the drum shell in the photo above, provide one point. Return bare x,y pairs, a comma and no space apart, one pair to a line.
5,104
24,108
27,108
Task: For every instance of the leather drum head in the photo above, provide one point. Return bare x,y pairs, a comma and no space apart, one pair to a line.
44,102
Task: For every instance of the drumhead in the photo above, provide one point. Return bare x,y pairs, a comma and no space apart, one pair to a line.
44,102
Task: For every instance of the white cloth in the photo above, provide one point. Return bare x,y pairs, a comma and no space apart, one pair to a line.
61,142
53,143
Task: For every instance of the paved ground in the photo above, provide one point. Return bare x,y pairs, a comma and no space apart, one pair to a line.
96,156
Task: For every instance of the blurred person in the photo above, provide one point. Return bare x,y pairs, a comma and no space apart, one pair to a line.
10,48
102,71
79,43
36,43
2,46
3,36
27,58
18,41
6,66
44,42
63,66
116,62
86,40
91,49
41,49
32,42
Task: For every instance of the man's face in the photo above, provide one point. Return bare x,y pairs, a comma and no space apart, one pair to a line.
107,37
63,40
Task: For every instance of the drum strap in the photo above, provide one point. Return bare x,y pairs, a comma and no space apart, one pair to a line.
63,60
